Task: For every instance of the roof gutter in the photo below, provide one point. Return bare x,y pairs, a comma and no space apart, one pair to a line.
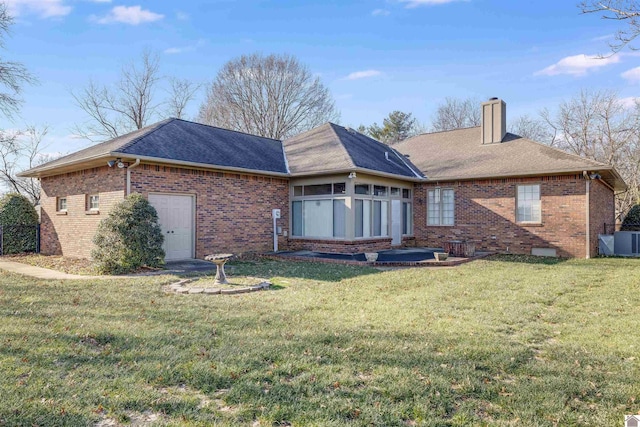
362,170
200,165
137,162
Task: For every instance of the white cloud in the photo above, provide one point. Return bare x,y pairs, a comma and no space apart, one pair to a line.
183,49
577,65
363,74
602,38
416,3
380,12
132,15
632,75
629,102
43,8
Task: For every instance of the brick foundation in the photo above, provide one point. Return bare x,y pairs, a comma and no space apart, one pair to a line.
341,246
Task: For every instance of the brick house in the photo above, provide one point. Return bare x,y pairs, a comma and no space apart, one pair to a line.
336,189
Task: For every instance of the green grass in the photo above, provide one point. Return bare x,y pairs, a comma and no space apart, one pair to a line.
505,341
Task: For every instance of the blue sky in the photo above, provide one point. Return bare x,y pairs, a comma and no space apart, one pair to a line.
376,56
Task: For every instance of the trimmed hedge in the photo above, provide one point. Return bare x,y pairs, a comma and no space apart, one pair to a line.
19,221
632,220
129,238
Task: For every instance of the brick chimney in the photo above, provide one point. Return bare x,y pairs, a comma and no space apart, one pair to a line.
494,121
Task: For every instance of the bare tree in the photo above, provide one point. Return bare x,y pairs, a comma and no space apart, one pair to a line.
181,92
533,129
618,10
600,127
20,149
127,106
456,114
273,96
13,75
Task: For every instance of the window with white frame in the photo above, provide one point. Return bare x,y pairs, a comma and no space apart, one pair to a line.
371,213
93,202
319,214
330,211
440,206
528,206
407,213
61,204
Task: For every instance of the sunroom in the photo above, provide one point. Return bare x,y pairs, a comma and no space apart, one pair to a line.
351,208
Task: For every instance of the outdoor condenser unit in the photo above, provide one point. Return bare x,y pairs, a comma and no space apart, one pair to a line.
627,243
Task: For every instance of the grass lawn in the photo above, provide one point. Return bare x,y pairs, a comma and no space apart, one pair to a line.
502,341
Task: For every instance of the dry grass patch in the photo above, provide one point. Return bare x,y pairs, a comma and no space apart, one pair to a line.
55,262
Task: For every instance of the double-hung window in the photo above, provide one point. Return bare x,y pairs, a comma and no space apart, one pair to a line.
528,206
61,204
93,202
440,206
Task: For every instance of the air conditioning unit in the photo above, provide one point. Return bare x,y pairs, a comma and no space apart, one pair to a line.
627,243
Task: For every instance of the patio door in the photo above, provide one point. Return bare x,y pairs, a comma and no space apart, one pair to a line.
175,215
396,222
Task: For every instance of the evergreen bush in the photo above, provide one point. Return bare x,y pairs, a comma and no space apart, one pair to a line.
19,221
129,238
632,220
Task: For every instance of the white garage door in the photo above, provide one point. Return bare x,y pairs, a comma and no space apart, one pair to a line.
175,214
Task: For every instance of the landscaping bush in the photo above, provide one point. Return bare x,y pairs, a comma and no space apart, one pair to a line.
129,238
19,221
632,220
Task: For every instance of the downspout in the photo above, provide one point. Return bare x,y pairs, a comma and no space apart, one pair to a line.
587,212
137,162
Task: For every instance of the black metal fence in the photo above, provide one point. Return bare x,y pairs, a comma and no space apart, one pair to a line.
612,228
15,239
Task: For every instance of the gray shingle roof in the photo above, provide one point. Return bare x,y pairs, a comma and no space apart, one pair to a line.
459,154
189,142
331,147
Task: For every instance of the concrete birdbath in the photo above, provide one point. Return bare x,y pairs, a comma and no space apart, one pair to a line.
219,260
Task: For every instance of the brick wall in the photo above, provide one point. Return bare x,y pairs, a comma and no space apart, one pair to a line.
71,234
233,211
485,212
340,246
602,210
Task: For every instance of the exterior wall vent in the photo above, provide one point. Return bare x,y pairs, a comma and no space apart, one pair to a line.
494,121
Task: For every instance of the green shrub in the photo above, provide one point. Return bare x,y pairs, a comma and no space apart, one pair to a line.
632,220
19,221
129,238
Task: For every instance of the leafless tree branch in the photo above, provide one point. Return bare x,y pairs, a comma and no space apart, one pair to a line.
273,96
618,10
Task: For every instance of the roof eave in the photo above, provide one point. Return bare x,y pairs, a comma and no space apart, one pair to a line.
617,179
38,172
358,169
200,165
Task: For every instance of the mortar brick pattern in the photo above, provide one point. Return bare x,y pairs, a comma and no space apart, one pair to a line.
71,234
485,212
233,210
340,246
